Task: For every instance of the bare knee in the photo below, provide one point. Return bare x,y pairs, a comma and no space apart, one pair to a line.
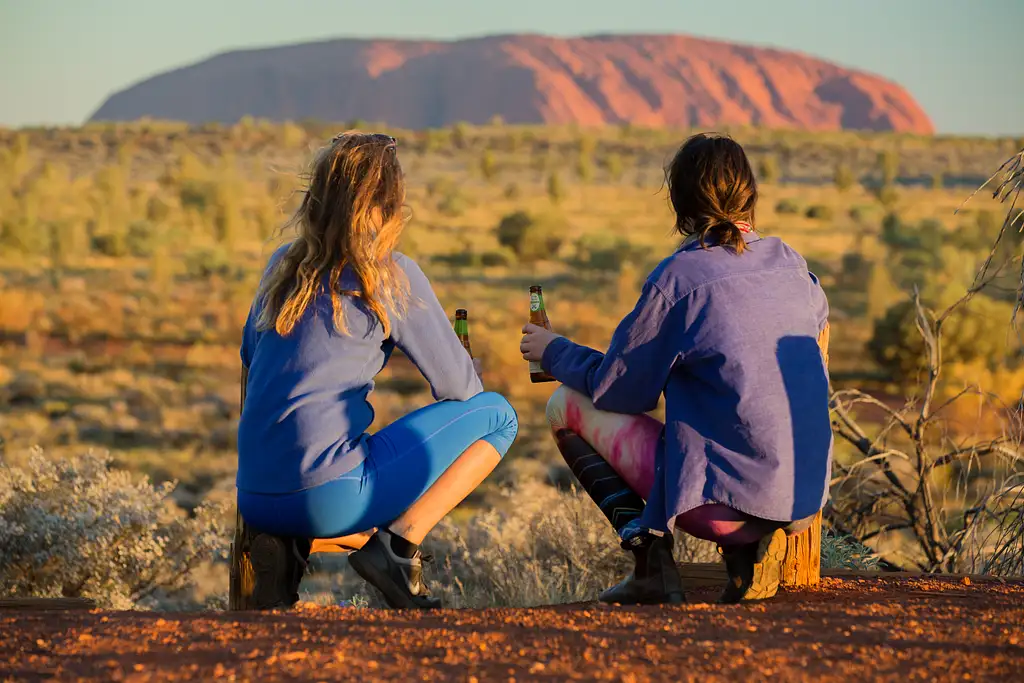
557,408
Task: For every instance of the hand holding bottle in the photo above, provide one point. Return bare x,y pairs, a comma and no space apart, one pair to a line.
535,342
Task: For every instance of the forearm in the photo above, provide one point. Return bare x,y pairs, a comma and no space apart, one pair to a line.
574,365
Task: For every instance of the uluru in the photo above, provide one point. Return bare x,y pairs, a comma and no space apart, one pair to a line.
648,80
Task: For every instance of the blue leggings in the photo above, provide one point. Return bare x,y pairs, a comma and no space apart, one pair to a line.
403,460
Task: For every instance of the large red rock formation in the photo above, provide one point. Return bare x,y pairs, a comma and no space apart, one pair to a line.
646,80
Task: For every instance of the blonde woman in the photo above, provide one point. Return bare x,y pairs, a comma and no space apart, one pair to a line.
331,307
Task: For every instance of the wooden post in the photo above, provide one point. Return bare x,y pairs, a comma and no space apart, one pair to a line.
802,566
242,577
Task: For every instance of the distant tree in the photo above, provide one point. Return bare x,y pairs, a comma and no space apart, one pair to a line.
820,212
512,191
613,164
898,348
556,188
768,169
585,167
488,166
460,134
787,206
531,238
889,166
844,178
881,292
938,180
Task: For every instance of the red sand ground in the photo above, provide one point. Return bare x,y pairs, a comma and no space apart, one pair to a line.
844,630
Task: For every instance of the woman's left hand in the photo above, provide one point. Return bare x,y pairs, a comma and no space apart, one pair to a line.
535,341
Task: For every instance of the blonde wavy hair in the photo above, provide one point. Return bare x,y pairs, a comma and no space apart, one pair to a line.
351,216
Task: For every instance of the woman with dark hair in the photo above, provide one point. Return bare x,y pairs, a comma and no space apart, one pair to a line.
727,329
332,306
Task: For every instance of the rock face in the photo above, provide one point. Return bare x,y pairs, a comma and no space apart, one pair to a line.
645,80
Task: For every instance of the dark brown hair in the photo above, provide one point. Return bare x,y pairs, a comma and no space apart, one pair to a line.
350,216
712,187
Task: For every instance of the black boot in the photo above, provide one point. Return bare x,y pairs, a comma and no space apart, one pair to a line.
754,569
279,564
398,578
655,579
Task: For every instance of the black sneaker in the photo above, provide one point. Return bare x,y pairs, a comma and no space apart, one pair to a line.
655,579
279,564
399,579
755,570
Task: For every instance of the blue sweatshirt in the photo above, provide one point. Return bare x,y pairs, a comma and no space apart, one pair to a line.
307,404
731,341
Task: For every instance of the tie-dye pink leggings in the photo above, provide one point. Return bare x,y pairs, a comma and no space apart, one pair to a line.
628,443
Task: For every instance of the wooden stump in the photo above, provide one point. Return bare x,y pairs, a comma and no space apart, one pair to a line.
242,576
802,566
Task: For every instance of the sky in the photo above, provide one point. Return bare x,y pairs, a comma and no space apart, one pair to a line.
961,59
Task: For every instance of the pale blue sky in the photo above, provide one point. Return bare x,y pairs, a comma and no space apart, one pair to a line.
961,59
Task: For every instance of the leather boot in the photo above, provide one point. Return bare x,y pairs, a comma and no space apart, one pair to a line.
655,579
754,569
279,564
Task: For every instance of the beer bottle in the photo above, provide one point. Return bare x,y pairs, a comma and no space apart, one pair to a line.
462,329
539,317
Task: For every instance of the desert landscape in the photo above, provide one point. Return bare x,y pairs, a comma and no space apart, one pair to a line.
131,246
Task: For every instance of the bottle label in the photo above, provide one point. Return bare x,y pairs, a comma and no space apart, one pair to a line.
534,302
535,367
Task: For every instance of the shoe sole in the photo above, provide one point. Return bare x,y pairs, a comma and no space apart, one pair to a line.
269,557
771,553
372,574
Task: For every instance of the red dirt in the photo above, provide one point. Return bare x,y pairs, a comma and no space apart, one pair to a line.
844,630
649,80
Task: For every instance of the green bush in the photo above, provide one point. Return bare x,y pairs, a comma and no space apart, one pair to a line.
974,333
141,239
820,212
454,204
531,238
844,178
768,170
497,258
787,206
605,252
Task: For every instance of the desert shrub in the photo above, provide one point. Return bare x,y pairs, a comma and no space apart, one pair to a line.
768,170
540,546
887,195
604,252
556,188
820,212
205,262
844,177
497,258
453,204
513,191
110,244
141,239
977,335
860,213
530,237
789,206
839,551
77,528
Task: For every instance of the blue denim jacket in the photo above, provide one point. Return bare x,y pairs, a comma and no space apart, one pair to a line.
731,341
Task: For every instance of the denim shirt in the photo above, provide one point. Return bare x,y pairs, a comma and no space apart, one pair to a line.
307,405
731,341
